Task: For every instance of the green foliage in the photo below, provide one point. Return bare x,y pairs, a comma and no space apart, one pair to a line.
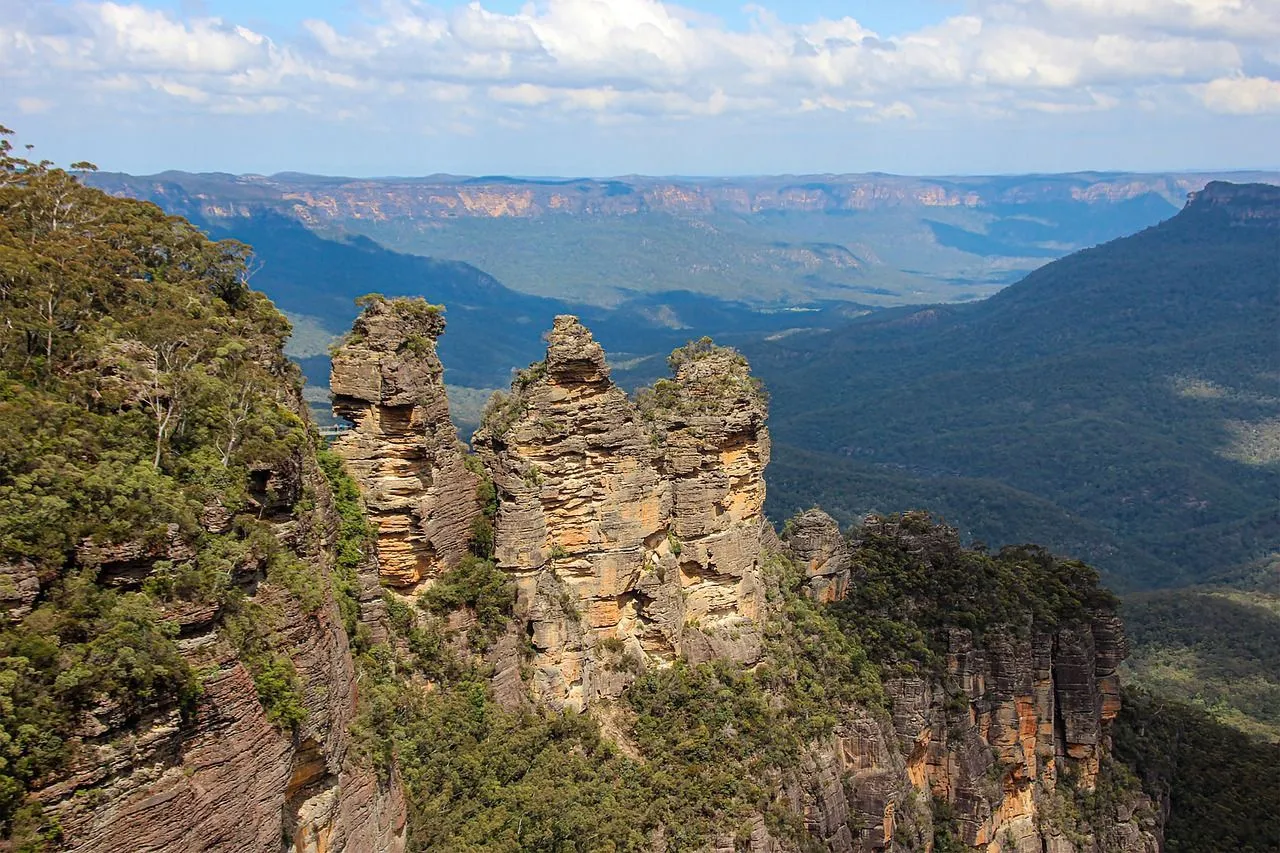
140,378
482,535
81,648
701,391
1221,787
711,735
142,390
712,739
249,626
354,539
478,585
814,666
946,831
501,412
1216,649
1099,407
912,582
479,778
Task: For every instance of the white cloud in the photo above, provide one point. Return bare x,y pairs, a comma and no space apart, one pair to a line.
1242,95
614,59
31,106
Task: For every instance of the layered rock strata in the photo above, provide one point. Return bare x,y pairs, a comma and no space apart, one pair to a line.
225,778
403,449
631,535
820,550
1004,736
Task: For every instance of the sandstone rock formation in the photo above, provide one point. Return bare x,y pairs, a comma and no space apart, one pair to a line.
632,535
403,449
819,548
1003,736
225,778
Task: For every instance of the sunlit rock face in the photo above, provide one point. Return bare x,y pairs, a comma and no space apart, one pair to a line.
403,450
999,734
634,532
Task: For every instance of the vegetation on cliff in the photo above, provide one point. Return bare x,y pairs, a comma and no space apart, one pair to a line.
912,583
155,476
702,746
149,421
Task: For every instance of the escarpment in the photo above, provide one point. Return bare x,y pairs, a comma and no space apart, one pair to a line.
634,533
1006,726
640,532
218,637
262,759
182,598
403,449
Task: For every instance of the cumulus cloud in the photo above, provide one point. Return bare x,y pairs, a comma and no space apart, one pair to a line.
1242,95
645,58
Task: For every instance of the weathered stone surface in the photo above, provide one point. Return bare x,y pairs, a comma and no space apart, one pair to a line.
19,589
226,778
995,734
642,529
710,425
817,546
403,449
229,780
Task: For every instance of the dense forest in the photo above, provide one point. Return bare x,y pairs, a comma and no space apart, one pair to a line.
1117,404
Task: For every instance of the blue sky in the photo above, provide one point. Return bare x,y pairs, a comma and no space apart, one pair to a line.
600,87
890,17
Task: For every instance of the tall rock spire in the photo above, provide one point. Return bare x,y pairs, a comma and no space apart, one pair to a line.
403,450
634,533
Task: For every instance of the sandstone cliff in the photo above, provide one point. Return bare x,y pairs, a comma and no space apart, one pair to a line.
225,777
443,197
631,536
634,532
1006,735
403,449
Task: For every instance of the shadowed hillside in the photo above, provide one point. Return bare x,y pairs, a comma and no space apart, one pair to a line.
1132,389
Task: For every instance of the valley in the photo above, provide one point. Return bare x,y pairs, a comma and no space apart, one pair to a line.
587,628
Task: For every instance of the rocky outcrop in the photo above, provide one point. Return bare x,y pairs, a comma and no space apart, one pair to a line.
19,589
224,777
709,422
230,780
1249,205
403,449
633,533
1011,730
819,549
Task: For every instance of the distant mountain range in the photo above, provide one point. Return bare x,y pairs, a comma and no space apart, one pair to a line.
491,328
1121,404
776,241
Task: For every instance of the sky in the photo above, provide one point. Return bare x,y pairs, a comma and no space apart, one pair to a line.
615,87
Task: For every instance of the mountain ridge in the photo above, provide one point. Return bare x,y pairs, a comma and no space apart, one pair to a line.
1099,353
771,240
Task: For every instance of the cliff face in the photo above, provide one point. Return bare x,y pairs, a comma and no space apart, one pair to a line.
1249,205
180,667
226,777
403,449
629,537
176,664
634,532
1006,735
455,198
